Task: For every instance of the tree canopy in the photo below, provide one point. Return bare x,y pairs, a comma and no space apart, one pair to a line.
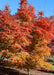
24,36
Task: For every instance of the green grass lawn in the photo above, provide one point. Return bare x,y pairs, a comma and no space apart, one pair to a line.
52,61
52,67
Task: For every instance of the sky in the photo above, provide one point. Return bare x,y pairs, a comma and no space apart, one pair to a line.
40,5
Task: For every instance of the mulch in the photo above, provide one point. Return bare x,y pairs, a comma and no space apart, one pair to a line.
9,71
13,71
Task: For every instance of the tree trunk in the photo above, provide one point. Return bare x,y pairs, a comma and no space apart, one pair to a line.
28,71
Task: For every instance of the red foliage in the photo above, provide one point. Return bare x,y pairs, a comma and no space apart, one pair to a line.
18,30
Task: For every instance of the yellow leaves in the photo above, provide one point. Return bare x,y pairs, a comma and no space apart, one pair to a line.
41,48
10,38
39,53
5,53
46,65
20,59
48,50
40,62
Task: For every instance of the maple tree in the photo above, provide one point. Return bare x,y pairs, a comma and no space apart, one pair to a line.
24,36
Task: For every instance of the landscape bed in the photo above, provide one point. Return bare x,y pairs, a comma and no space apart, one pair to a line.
13,71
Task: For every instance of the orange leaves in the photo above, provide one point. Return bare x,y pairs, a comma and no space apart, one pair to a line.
39,53
25,30
20,59
6,10
18,46
44,28
6,54
41,48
